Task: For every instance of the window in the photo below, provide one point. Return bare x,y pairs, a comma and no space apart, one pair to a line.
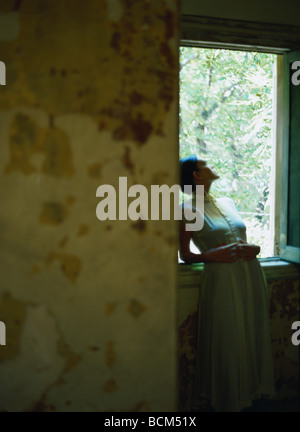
226,117
249,37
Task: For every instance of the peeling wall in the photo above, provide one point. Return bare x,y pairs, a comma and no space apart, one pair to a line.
90,307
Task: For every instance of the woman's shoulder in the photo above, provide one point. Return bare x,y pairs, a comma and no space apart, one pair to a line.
192,201
227,201
190,206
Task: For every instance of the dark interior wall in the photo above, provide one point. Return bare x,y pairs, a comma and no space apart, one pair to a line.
259,11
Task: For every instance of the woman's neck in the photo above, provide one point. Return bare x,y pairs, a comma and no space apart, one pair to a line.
207,188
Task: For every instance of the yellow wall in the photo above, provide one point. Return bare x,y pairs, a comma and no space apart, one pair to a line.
90,308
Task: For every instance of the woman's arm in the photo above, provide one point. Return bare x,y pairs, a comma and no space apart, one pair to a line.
225,254
184,246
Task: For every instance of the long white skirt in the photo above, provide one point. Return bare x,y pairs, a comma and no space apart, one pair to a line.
234,362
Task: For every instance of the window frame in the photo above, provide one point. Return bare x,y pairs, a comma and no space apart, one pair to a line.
287,251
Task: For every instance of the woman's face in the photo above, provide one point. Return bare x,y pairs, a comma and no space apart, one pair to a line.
204,172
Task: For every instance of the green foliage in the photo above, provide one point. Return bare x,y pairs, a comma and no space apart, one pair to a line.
226,119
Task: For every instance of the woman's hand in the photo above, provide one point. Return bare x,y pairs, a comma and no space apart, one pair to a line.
222,254
247,251
232,252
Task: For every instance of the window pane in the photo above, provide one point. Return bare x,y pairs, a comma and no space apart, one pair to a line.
226,118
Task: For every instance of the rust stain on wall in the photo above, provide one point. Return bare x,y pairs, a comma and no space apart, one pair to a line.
83,230
136,308
34,269
137,129
129,94
70,200
27,139
70,264
139,225
71,361
23,144
53,213
110,386
63,242
41,405
58,156
13,314
171,240
71,358
110,354
127,161
142,406
160,178
93,348
94,170
110,308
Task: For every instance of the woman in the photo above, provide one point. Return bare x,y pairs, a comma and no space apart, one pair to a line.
234,358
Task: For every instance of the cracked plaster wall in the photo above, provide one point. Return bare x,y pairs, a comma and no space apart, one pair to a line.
90,307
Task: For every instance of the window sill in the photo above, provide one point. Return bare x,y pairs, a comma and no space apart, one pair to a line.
273,268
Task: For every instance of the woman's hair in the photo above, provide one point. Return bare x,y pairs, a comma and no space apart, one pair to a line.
188,166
